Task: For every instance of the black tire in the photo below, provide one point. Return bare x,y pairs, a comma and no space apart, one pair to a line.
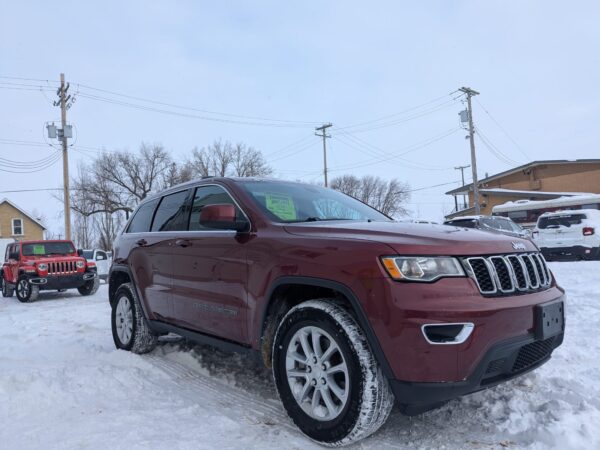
90,287
141,339
369,397
26,292
7,291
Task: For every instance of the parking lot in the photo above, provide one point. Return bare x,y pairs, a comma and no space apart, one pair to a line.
63,385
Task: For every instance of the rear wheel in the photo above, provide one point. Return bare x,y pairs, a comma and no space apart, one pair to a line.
26,292
7,291
326,375
90,287
130,329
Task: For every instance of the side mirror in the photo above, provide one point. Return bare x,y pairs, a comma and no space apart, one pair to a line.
221,217
79,252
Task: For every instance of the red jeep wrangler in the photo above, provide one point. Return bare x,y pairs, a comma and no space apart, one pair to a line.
31,266
350,309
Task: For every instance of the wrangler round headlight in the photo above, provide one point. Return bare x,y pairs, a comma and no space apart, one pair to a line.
80,264
422,268
42,266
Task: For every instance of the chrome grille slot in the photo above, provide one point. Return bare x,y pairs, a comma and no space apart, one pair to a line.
505,274
62,268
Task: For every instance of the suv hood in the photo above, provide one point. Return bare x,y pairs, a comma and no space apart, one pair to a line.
416,239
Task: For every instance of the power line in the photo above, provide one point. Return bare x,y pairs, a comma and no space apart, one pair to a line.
503,130
404,151
495,150
397,113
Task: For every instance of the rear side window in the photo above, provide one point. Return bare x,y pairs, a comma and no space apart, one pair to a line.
210,195
171,214
143,217
566,220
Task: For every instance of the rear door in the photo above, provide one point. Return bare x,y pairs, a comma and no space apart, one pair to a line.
210,273
561,230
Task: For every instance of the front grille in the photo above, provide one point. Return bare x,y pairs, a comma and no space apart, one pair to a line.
62,268
531,354
505,274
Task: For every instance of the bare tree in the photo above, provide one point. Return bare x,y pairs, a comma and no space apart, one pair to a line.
225,159
385,196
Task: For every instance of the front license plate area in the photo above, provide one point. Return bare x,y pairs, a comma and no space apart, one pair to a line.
549,319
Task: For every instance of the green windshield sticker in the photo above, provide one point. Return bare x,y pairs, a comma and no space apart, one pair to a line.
281,205
39,249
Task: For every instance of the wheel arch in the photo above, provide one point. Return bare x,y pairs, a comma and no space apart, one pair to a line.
118,275
289,291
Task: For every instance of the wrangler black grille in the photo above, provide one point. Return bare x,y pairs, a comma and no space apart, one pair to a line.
505,274
531,354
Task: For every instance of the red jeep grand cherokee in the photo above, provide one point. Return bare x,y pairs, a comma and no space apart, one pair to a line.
350,309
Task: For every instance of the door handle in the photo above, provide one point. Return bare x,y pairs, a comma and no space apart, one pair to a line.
141,242
183,243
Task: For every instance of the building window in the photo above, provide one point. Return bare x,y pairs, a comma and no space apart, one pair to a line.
17,227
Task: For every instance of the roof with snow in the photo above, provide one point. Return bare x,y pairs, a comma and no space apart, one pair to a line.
565,201
22,211
467,187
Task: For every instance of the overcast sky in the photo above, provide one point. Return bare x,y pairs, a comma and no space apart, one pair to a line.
536,65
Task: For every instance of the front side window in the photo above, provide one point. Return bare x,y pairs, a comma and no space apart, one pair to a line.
143,218
467,223
295,202
101,256
210,195
171,214
17,227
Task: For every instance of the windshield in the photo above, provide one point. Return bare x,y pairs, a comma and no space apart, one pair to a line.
296,202
48,248
560,221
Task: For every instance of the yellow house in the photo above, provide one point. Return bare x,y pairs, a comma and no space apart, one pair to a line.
15,223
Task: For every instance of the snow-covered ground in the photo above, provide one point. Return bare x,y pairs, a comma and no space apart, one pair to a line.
63,385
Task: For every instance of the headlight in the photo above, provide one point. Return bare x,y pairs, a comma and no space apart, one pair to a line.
42,266
422,268
80,264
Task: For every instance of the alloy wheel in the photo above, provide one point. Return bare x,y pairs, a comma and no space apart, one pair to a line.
317,373
124,320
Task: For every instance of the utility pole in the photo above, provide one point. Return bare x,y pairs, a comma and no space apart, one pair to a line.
470,93
462,174
65,132
324,135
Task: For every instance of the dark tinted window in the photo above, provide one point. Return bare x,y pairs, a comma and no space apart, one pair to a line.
560,221
88,254
171,213
469,223
210,195
143,217
517,214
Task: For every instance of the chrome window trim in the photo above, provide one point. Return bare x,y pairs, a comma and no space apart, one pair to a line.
460,338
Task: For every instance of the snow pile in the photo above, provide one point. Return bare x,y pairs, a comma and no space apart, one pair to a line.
63,385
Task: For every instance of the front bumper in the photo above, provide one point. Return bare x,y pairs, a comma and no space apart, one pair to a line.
504,361
574,252
55,282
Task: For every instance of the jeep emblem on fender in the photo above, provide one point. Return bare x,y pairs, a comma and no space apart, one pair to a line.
518,246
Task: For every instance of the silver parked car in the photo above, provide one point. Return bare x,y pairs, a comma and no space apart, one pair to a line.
495,224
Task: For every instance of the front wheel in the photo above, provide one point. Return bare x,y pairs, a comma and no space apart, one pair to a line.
326,375
130,329
26,292
90,287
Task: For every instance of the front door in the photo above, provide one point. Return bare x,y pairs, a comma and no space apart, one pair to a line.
210,273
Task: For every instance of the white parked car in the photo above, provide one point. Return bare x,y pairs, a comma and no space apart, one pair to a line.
102,260
569,234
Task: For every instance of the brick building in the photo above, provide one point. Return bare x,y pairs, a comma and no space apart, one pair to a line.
15,223
538,180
